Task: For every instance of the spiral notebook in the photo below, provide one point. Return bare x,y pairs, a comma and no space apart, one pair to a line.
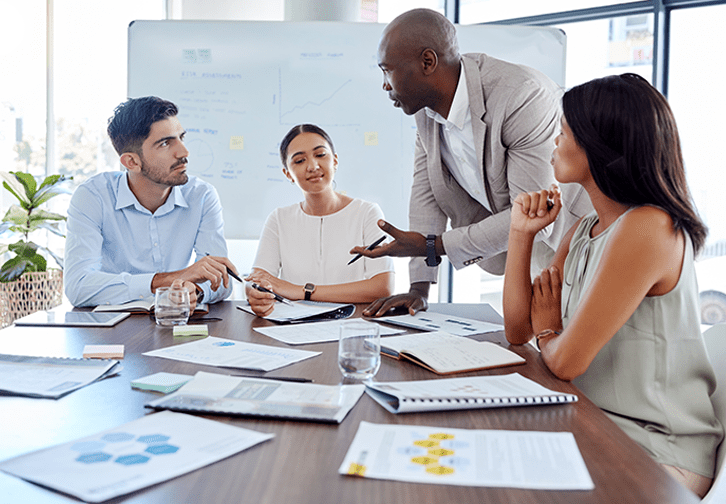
464,393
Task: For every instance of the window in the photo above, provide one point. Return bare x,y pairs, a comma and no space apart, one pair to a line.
695,92
608,46
487,11
90,79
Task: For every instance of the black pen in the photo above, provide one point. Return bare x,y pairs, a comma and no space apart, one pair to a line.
281,378
231,273
277,296
369,247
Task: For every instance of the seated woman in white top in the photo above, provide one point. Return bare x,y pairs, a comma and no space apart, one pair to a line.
305,248
617,310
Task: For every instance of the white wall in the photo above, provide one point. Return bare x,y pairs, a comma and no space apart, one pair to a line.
231,10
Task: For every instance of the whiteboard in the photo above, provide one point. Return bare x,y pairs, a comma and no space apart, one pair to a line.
241,85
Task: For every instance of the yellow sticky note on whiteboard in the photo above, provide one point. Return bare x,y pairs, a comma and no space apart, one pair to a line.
370,138
236,143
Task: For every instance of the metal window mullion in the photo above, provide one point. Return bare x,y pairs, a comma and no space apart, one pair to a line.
573,16
661,43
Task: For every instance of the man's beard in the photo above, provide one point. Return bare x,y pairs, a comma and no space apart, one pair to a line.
154,176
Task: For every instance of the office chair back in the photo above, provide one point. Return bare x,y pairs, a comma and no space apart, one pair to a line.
715,339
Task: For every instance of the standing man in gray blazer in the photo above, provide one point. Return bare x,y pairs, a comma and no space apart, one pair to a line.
486,131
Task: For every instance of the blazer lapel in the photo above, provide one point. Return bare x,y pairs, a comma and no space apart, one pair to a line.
479,127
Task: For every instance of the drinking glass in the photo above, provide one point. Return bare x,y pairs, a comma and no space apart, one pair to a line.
171,306
359,349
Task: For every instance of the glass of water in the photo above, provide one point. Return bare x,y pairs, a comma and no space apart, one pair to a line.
359,349
171,306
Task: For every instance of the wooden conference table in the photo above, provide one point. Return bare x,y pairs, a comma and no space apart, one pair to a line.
300,464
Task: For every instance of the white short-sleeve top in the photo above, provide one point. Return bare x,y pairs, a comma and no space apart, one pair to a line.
301,248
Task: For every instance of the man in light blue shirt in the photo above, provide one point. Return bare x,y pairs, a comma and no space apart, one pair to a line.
134,231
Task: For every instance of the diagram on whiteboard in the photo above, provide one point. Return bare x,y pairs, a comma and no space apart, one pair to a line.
241,86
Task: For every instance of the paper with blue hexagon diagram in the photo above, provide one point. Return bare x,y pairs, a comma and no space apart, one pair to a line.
220,352
467,457
138,454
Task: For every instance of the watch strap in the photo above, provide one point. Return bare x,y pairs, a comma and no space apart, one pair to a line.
309,289
431,258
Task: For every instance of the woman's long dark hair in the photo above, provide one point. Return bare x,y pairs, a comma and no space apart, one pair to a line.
629,135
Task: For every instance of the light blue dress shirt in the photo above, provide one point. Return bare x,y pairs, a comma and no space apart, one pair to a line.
115,246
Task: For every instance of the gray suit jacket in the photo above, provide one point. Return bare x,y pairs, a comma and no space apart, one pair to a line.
515,113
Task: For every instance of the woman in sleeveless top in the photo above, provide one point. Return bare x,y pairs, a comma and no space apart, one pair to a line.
617,310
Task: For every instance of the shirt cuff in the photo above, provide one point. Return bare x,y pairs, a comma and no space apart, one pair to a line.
140,285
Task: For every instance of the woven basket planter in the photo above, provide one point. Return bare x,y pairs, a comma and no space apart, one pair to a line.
32,292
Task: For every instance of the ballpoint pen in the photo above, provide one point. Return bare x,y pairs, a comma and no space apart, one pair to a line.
277,296
280,378
369,247
231,273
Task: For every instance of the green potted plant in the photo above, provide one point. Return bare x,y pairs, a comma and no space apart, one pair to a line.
26,283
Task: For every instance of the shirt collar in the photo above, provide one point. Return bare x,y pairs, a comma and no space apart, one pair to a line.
126,198
459,105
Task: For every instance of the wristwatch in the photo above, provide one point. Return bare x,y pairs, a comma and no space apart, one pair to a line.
309,289
200,295
431,258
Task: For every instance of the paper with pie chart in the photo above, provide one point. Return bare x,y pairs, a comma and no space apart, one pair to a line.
141,453
467,457
220,352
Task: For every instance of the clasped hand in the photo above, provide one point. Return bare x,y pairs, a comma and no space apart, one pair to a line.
531,211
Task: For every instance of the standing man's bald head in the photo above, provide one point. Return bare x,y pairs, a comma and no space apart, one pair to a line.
419,56
418,29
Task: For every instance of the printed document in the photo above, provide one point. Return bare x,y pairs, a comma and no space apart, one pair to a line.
141,453
487,458
313,332
432,321
220,352
232,395
50,377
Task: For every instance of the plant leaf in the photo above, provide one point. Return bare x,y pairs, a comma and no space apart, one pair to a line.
12,269
12,184
28,182
16,216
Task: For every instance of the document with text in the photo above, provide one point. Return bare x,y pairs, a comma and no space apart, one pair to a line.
221,352
432,321
467,457
314,332
138,454
232,395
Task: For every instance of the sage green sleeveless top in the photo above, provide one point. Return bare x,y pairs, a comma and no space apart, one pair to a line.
653,378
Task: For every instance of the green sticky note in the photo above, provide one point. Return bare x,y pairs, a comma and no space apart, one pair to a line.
194,330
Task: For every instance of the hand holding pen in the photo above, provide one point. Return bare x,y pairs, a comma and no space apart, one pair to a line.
277,296
369,247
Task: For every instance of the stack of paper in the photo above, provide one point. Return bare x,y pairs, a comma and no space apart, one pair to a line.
231,395
50,377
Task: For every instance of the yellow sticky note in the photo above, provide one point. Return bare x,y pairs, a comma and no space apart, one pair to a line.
356,469
370,138
236,142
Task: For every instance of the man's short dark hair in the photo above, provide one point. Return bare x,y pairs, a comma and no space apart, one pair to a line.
131,122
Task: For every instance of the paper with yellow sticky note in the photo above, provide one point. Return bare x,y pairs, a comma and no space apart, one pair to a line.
467,457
